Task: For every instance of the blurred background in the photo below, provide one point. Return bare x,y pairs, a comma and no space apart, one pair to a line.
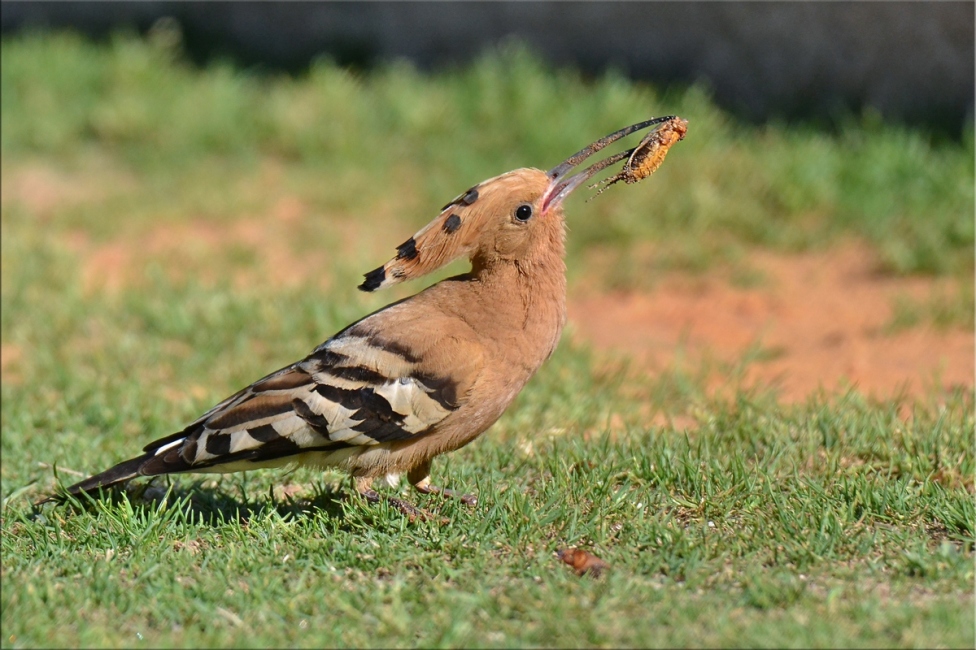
185,176
909,60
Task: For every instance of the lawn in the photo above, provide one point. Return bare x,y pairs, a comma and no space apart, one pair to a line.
171,233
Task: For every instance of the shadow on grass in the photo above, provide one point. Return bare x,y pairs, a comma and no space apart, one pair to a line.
211,506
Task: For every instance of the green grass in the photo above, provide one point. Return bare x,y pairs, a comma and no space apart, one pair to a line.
942,309
147,207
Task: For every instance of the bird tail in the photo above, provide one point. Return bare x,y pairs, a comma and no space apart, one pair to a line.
121,473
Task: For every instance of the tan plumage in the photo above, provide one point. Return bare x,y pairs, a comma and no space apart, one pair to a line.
417,378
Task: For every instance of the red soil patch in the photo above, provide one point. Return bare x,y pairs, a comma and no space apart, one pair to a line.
42,189
197,247
819,322
10,359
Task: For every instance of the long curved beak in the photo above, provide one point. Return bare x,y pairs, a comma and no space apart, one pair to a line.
562,183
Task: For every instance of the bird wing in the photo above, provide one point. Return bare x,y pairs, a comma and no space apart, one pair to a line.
392,376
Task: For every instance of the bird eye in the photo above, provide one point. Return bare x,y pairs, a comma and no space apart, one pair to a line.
523,212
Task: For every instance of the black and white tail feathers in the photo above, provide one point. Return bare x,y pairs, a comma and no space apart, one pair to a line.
353,392
121,473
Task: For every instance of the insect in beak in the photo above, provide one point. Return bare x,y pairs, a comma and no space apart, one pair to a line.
638,159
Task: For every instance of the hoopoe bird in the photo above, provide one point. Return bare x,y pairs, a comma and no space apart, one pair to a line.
422,376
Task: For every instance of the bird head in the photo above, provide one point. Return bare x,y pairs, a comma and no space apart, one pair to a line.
515,217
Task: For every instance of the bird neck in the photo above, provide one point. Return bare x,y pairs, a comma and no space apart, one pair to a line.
521,304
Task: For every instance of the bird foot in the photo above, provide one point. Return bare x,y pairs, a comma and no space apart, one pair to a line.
466,499
419,477
411,511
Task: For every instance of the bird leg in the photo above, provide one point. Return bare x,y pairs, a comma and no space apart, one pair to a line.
419,477
365,490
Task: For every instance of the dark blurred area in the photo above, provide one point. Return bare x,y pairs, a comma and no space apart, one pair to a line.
910,61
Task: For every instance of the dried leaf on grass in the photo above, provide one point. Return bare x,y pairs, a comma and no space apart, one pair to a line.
583,563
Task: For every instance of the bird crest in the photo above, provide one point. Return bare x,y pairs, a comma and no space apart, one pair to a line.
464,226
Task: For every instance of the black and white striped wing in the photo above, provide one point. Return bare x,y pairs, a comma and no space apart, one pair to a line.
350,392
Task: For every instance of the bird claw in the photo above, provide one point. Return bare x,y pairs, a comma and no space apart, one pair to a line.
466,499
411,511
